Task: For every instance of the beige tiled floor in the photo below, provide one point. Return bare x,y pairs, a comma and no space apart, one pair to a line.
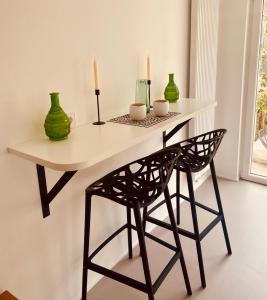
242,276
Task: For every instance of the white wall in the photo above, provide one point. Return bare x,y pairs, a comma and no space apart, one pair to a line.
230,83
49,46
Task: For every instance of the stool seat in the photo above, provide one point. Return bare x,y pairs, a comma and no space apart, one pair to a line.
142,180
197,152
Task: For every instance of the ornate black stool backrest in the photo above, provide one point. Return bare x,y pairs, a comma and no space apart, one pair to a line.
197,152
142,180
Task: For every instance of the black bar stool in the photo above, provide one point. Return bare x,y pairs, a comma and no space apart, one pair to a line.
136,185
197,153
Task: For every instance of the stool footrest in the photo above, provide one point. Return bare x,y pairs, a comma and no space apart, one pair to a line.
213,211
118,231
210,226
106,241
184,232
165,272
118,277
168,226
163,243
133,282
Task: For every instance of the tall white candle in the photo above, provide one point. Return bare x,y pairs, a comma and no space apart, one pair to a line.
148,68
96,76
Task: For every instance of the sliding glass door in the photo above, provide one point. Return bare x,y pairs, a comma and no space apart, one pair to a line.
254,165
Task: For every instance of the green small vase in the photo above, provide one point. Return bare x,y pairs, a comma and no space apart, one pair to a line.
57,123
171,92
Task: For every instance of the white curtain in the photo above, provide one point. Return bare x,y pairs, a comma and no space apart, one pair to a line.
203,63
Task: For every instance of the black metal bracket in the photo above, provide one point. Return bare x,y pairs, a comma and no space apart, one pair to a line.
47,197
167,136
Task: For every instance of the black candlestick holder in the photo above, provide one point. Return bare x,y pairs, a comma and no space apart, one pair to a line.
149,103
97,93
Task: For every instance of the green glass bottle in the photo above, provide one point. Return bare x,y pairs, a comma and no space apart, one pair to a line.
141,93
171,92
57,123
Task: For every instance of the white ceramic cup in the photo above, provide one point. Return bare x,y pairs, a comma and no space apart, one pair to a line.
137,111
161,108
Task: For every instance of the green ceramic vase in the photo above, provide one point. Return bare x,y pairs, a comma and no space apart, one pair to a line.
57,123
171,92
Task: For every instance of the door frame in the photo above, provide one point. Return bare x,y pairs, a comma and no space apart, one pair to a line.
252,68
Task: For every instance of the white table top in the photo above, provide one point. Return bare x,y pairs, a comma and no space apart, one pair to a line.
89,144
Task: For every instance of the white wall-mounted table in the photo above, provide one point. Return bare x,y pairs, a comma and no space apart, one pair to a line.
89,144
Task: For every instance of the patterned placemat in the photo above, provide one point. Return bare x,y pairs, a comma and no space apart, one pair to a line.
149,121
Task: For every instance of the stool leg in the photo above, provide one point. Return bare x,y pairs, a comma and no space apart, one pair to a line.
178,196
86,244
196,230
219,203
129,230
144,218
143,252
177,240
